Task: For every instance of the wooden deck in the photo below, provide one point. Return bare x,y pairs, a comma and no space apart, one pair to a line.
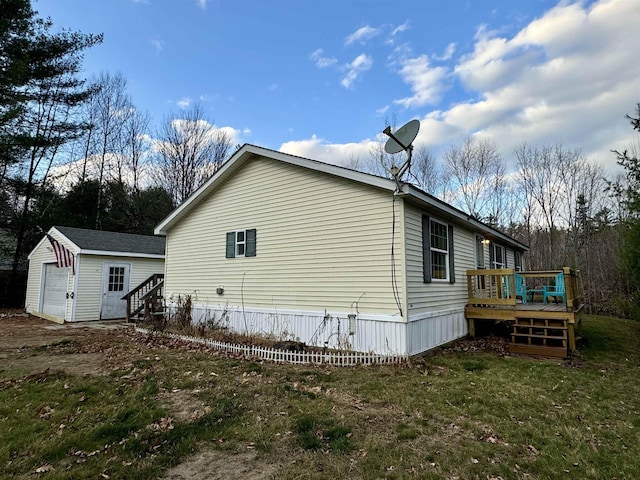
547,329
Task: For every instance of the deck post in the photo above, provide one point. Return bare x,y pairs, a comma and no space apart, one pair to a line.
571,334
472,327
568,287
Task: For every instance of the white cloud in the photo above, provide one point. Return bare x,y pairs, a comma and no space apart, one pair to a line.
427,83
322,61
382,111
400,28
361,35
448,52
202,4
355,69
337,154
184,102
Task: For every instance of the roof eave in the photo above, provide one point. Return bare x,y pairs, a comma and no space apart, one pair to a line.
108,253
413,192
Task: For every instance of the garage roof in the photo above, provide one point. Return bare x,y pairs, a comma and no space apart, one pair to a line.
101,241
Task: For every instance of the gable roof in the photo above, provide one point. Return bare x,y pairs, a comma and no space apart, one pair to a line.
410,192
113,243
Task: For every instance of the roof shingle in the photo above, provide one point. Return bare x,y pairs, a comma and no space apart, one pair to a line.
114,241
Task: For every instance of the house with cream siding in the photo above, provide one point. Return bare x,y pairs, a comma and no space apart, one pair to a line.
107,265
292,248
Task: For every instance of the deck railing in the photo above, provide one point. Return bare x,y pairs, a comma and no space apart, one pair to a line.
494,287
138,298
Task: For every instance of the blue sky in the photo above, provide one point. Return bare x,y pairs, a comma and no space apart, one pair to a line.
318,79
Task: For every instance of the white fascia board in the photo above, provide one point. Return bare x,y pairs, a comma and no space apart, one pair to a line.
120,254
75,249
249,151
411,191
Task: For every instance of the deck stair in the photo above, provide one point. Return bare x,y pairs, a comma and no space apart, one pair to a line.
540,336
145,298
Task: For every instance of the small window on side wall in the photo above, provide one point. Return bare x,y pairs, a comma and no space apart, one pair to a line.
517,256
241,243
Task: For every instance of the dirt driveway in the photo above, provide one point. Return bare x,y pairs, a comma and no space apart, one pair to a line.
29,344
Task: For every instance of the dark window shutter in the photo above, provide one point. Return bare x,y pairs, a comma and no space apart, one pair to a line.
452,263
492,256
251,243
231,244
426,248
505,257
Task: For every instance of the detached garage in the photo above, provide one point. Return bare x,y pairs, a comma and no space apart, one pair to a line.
78,275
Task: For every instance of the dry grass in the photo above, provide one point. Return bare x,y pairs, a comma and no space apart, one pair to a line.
458,413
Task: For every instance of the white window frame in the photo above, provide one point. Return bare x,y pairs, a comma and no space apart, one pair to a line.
497,264
241,244
439,250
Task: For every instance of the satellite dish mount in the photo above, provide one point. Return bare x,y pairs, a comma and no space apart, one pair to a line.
401,140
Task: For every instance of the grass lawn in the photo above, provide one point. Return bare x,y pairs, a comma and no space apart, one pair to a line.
453,414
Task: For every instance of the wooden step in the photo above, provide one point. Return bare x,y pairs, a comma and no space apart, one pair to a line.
539,350
534,335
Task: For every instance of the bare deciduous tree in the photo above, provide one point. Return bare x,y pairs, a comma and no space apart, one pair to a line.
427,173
476,171
189,149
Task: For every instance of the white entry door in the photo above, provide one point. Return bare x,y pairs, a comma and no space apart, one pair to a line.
54,295
115,284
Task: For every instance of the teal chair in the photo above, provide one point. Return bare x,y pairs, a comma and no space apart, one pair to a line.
555,291
521,288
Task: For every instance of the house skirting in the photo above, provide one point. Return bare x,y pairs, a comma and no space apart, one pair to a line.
429,330
382,334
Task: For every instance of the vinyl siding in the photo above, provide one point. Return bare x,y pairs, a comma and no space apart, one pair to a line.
42,254
88,296
323,242
425,298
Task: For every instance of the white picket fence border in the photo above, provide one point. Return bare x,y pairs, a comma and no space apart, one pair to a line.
333,358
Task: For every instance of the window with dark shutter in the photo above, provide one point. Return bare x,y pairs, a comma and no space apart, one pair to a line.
231,244
251,243
437,251
241,243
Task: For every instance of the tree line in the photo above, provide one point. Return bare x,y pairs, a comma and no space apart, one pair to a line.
78,152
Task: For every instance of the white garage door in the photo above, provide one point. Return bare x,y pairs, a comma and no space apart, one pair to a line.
54,301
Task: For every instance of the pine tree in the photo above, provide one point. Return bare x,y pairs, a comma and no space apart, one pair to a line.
39,92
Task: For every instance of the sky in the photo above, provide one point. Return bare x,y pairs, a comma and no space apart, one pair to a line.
321,79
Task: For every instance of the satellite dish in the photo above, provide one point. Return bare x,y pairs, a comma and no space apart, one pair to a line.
399,141
402,138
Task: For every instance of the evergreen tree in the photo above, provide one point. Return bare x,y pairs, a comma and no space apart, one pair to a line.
629,258
39,92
